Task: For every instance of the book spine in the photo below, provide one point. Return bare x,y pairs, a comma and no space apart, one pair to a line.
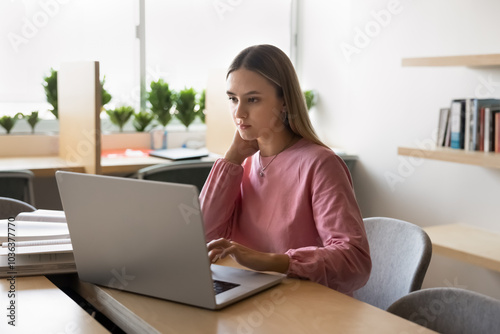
456,136
468,124
487,129
443,126
481,129
474,126
497,132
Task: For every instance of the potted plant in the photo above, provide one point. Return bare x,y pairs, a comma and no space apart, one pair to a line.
311,98
185,104
201,104
32,120
50,87
105,96
120,115
141,120
162,100
8,122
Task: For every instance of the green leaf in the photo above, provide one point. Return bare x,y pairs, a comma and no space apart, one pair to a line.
105,96
201,103
50,87
8,122
185,106
310,96
142,119
32,120
120,116
161,99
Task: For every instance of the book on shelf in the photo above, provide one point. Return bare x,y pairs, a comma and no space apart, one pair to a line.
489,128
35,247
482,114
444,115
468,119
470,125
457,123
497,132
477,105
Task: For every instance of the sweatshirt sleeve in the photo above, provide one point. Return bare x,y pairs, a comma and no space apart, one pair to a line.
220,198
343,262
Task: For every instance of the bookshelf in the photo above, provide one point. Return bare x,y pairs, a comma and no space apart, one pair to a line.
462,242
484,159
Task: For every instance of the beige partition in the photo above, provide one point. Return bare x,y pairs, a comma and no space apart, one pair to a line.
79,101
220,127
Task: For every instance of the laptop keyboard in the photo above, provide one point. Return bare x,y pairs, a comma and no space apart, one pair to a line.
221,286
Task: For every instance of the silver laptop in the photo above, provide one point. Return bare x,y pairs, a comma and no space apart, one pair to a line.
147,237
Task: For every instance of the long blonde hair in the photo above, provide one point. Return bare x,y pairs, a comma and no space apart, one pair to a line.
274,65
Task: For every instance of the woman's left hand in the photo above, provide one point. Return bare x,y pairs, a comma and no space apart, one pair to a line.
247,257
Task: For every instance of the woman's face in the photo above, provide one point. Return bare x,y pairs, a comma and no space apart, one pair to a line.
254,105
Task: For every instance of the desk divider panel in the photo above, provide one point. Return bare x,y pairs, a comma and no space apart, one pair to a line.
79,102
220,127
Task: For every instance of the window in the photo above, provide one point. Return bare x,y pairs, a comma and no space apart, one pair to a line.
184,40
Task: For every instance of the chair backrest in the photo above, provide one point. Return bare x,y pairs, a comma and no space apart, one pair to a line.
400,253
10,207
450,310
17,184
187,172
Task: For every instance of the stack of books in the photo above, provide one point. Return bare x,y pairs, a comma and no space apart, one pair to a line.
471,124
36,243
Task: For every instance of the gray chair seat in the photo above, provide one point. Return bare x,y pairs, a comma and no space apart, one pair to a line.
17,184
10,207
400,253
186,172
450,311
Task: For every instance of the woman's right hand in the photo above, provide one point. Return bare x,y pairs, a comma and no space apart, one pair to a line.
240,149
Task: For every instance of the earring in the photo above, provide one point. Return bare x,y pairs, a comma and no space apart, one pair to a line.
284,117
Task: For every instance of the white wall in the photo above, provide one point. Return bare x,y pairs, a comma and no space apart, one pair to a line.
370,105
186,39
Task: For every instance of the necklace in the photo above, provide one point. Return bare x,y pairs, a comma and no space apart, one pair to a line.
263,168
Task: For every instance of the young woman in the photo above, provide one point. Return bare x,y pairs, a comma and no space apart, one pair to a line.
281,200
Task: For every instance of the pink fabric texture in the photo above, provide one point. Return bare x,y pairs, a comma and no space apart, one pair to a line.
304,207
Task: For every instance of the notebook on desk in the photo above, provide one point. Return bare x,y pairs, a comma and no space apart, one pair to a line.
180,153
147,237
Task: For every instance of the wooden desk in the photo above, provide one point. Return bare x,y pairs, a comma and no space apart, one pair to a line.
466,243
48,165
42,308
128,165
40,166
295,306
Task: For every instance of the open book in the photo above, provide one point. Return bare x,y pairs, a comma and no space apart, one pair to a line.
53,216
28,230
35,243
37,264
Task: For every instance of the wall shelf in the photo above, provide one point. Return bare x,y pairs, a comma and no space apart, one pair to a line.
466,243
484,159
471,60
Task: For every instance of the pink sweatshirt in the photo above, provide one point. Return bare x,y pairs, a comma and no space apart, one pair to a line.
304,207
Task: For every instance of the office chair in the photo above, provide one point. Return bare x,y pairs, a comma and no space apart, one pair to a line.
450,310
186,172
10,207
17,184
400,253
